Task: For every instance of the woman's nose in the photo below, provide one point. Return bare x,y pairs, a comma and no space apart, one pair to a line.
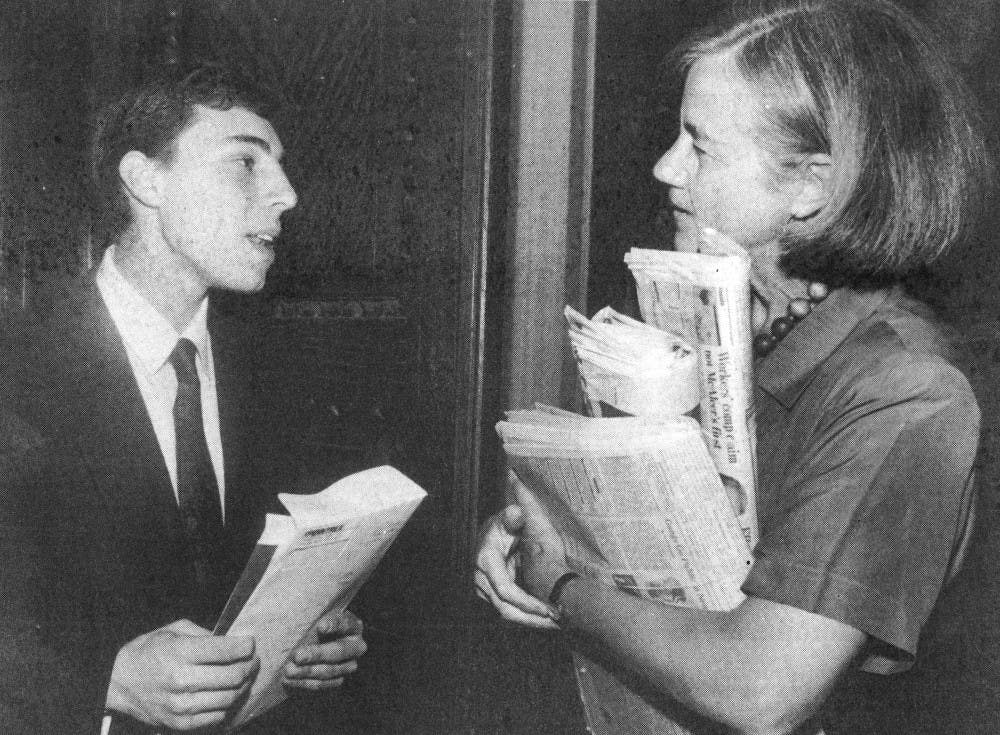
670,168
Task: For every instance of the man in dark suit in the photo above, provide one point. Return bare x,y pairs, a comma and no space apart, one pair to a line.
133,514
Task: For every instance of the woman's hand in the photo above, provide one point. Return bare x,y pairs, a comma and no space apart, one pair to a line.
497,563
543,554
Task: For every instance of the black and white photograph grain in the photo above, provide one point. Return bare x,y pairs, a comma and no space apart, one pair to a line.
499,367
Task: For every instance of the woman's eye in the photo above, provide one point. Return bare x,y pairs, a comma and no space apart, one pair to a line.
247,162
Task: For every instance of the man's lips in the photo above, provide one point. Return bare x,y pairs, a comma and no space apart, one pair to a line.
264,238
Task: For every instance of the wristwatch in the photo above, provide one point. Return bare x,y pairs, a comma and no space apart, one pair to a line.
559,586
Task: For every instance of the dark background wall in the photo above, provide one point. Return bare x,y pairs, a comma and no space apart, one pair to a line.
44,87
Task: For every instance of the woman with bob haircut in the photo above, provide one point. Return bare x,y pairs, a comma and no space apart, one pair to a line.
833,142
885,103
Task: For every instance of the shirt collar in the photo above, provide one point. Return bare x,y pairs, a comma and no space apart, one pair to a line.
784,372
146,333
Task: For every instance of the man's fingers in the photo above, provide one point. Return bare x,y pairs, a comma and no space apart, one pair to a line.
480,593
333,652
324,666
320,671
313,685
199,703
186,627
338,625
216,649
221,678
496,579
494,573
200,709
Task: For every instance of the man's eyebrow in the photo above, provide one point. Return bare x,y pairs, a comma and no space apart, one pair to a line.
252,140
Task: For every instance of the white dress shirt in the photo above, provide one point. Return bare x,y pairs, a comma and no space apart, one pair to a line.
149,339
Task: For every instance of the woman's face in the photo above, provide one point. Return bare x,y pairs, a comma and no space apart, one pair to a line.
718,175
723,181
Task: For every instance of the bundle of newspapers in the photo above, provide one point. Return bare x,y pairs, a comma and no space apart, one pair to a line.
655,491
705,301
638,501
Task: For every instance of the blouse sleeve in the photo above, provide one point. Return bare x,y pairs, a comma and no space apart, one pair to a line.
870,516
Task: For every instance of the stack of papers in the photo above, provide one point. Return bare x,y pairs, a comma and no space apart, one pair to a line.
630,368
638,503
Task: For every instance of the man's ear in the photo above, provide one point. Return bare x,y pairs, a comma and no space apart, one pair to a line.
141,177
815,179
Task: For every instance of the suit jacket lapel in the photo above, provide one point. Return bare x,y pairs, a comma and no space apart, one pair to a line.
121,440
116,432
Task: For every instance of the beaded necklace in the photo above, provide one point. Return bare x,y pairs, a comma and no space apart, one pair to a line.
798,309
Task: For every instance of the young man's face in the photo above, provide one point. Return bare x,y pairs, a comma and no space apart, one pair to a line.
716,171
223,194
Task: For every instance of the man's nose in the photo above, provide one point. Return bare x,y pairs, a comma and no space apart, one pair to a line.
281,194
670,168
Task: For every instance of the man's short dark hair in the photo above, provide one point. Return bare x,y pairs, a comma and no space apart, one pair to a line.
149,119
867,84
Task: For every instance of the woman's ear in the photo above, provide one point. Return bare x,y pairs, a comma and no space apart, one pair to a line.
815,175
141,178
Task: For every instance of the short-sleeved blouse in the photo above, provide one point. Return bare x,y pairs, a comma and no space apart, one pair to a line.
867,434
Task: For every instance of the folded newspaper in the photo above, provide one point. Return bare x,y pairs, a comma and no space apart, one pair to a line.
311,562
660,505
638,502
705,301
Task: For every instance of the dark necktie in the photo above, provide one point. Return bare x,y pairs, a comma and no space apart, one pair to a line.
197,489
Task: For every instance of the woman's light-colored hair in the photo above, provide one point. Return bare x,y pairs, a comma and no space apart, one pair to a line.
866,83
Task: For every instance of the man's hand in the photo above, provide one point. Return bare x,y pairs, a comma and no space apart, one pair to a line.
329,653
496,570
181,677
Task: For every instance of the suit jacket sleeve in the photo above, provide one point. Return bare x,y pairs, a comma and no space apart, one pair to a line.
51,678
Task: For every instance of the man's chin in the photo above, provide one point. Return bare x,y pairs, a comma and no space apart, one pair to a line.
248,283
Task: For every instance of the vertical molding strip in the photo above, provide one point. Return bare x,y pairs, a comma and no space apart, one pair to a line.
581,167
552,100
474,243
